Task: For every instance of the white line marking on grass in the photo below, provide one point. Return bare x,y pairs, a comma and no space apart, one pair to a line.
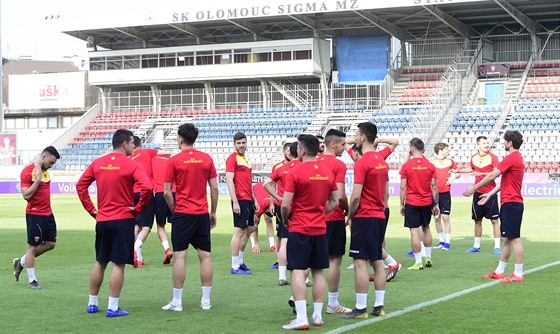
431,302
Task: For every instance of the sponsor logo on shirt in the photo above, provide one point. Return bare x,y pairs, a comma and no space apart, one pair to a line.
419,168
381,166
319,177
193,161
110,167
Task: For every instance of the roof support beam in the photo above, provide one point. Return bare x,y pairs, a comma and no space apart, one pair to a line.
246,25
134,34
187,29
525,21
386,26
458,26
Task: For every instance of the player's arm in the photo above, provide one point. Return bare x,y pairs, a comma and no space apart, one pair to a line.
255,201
348,144
213,182
386,195
28,192
342,198
168,195
435,197
146,189
333,200
82,187
487,179
462,170
484,197
270,186
391,142
355,200
403,195
230,176
286,206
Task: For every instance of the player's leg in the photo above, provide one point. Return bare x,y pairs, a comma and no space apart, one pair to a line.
206,273
163,214
254,237
95,281
121,241
427,260
497,236
270,233
439,230
243,244
282,260
447,231
299,254
477,215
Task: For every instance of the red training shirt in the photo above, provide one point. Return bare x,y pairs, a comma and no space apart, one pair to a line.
115,175
339,170
311,183
243,179
263,198
144,157
191,170
443,166
513,169
40,203
278,179
484,164
159,166
372,172
418,173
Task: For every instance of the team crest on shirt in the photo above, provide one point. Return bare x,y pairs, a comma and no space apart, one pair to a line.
242,161
316,167
45,175
190,153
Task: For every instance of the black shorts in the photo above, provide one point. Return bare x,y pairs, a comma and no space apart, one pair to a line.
366,240
281,229
305,251
40,229
114,241
387,214
247,215
162,210
417,216
336,237
146,218
511,216
190,229
489,210
445,203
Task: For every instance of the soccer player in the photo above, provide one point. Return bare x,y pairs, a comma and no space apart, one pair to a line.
115,175
162,211
265,207
444,166
274,184
321,144
368,221
145,221
276,206
191,170
41,226
336,225
239,183
512,170
482,164
310,192
419,199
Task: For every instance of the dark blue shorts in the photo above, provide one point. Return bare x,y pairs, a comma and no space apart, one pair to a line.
190,229
146,218
387,214
366,240
445,203
511,216
162,210
417,216
114,241
336,237
305,251
40,229
489,210
281,229
247,215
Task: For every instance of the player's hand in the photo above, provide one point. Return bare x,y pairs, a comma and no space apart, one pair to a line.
435,211
38,171
483,199
272,209
468,192
134,213
257,207
450,180
94,214
453,171
236,208
256,248
213,220
349,222
402,210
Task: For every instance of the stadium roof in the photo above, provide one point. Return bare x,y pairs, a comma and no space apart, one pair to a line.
250,20
19,66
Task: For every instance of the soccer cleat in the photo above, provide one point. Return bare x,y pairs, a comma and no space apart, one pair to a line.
372,277
392,271
411,253
378,311
446,247
296,324
512,279
92,309
292,304
137,263
168,256
172,307
272,249
274,266
117,313
17,268
283,282
427,261
416,266
440,245
205,305
493,275
497,251
318,321
240,272
473,250
34,285
356,314
244,267
338,309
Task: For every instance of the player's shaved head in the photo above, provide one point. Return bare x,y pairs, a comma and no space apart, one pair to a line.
333,135
309,144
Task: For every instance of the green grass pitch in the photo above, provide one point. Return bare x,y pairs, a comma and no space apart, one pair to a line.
256,304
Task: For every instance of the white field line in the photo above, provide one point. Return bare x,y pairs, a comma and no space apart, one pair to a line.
431,302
